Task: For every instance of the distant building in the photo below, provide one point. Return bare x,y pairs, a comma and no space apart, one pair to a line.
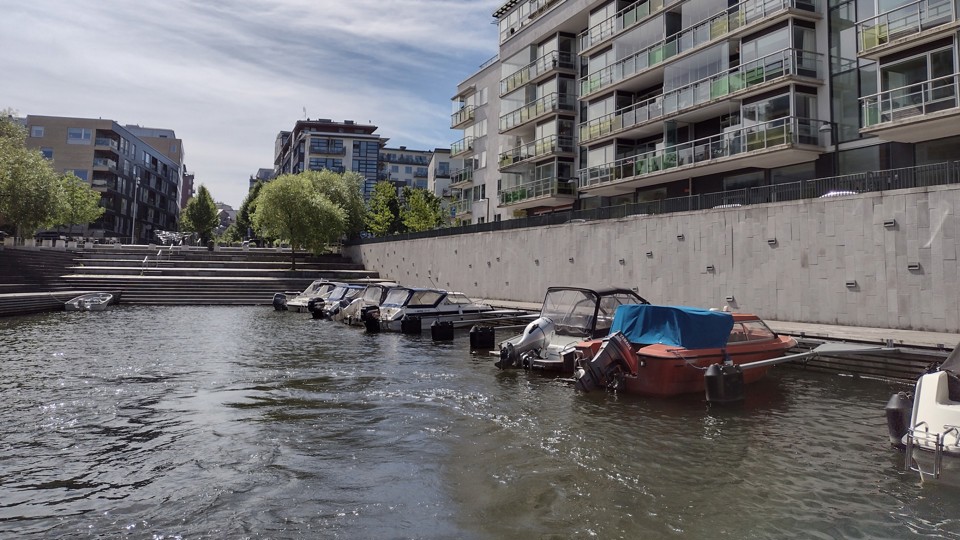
438,179
405,167
186,190
138,171
263,175
325,144
227,216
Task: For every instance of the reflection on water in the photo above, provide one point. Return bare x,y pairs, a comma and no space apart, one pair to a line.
245,422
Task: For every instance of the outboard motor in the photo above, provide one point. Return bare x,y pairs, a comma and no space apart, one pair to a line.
898,410
608,368
370,315
280,302
536,337
315,307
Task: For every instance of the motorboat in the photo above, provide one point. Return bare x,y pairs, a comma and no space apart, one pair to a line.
568,316
338,298
365,305
926,424
97,301
429,306
669,350
318,289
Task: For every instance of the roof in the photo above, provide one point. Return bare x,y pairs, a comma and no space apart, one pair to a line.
679,326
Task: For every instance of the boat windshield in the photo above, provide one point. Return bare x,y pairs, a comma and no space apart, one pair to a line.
458,298
426,298
571,311
352,292
397,297
372,293
338,293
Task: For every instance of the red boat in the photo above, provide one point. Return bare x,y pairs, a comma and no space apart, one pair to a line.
666,350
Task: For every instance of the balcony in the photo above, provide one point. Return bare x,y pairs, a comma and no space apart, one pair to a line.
543,192
541,67
549,104
624,19
747,16
107,142
914,113
461,147
100,163
461,178
776,143
527,12
326,150
547,146
463,116
461,209
905,27
709,96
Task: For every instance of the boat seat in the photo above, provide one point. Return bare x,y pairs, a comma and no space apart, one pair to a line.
936,413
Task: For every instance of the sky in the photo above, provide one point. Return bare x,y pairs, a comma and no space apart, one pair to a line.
228,76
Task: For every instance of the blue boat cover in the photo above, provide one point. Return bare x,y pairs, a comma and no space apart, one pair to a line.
690,328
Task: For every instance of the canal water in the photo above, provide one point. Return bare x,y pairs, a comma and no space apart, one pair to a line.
242,422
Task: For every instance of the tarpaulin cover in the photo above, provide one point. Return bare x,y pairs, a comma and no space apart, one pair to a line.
690,328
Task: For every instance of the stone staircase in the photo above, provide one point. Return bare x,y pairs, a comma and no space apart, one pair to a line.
33,270
179,275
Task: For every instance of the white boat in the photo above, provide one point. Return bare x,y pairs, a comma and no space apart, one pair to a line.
430,306
318,289
338,298
370,298
931,436
569,315
89,302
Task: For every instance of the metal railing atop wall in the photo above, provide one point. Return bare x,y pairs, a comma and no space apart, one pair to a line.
850,184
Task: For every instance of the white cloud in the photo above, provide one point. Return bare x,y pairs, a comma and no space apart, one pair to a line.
228,76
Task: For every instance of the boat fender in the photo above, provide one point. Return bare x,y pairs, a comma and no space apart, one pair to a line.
482,338
723,383
280,302
410,324
898,411
441,331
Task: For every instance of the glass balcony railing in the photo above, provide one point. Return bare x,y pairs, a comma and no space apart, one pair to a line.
903,22
910,101
328,150
541,147
742,15
538,189
545,64
547,104
526,12
461,208
625,19
461,176
104,162
462,146
782,131
788,62
463,115
106,141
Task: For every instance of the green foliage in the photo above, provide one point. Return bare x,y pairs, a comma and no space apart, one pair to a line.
31,194
292,208
383,213
80,204
344,190
243,226
421,210
200,215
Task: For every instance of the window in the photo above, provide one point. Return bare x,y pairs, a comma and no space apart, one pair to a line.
81,174
79,136
47,152
408,170
395,168
36,131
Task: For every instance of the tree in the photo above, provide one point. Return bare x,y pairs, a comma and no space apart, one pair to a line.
292,209
243,226
421,210
80,204
383,214
344,190
30,190
200,215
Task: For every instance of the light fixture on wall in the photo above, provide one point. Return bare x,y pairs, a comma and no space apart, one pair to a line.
571,259
622,262
890,223
730,299
710,268
680,236
851,284
914,267
649,254
771,241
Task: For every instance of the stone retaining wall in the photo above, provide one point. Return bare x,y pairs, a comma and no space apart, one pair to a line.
883,259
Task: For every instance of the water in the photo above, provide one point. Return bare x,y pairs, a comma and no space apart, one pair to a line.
227,422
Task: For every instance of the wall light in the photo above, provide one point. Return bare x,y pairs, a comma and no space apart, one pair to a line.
571,259
680,236
710,268
622,262
914,267
890,223
852,284
649,254
771,241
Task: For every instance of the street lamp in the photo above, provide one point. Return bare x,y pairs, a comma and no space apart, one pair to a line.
133,221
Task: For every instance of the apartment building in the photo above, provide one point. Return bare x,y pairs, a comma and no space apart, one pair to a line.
139,181
326,144
475,110
406,167
608,102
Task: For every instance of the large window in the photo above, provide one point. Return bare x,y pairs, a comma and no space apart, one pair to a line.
79,136
47,152
36,131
